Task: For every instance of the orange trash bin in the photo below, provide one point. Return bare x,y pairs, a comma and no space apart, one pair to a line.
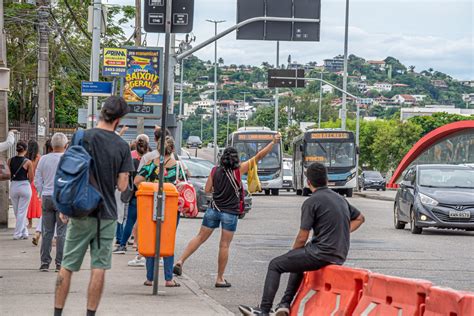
146,226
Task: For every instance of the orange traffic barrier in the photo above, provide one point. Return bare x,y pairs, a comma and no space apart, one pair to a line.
333,290
443,301
147,226
387,296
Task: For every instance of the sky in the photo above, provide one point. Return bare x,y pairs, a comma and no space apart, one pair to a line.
436,34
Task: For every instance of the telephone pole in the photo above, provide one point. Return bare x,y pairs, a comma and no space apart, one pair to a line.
95,59
43,73
4,204
138,43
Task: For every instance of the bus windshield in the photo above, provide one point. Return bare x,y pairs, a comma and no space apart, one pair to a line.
331,154
248,149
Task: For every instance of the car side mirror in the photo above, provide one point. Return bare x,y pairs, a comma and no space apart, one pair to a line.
406,184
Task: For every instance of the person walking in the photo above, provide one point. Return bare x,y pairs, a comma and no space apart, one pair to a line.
150,173
20,190
224,211
34,208
112,163
141,149
44,182
332,219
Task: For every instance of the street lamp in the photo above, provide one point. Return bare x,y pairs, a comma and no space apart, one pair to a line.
344,79
215,87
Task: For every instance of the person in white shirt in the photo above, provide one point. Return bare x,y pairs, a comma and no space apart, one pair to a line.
44,182
8,142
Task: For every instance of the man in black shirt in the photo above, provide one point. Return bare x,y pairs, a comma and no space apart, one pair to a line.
112,163
332,219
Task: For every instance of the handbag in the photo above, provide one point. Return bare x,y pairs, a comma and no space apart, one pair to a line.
5,173
253,182
187,202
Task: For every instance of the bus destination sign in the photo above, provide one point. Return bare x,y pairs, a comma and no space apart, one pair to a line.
268,137
331,135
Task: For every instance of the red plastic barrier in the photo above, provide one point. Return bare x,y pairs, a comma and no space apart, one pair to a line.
333,290
387,296
448,302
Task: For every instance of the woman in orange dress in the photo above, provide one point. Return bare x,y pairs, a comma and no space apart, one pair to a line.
34,208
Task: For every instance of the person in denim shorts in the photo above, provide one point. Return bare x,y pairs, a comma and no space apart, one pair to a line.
225,207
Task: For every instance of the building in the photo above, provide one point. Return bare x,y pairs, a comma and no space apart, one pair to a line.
468,98
225,106
404,99
400,85
468,83
366,101
378,64
259,85
383,87
439,84
419,97
429,110
327,89
335,64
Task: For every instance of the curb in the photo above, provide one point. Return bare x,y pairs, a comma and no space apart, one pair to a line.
374,197
198,291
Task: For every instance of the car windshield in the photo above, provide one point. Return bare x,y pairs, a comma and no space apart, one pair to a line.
249,149
373,175
287,173
447,178
198,168
340,154
194,139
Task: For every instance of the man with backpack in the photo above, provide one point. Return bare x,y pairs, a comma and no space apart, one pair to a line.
109,167
332,219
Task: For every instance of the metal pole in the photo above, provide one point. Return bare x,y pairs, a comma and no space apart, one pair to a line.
180,119
245,111
227,134
215,87
164,113
42,113
201,127
95,55
276,90
138,43
344,79
320,99
357,142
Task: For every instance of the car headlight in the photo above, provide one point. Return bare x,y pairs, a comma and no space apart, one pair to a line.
426,200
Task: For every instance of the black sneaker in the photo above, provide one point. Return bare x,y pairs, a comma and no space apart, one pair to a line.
120,250
58,267
44,267
250,311
282,309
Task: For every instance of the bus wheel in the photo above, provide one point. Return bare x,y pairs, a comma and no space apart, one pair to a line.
306,192
267,192
275,192
299,192
349,192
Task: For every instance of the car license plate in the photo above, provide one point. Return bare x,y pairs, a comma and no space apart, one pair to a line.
459,214
331,184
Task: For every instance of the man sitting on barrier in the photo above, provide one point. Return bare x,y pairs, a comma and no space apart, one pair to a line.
332,219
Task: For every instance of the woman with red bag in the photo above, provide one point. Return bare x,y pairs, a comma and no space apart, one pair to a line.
172,173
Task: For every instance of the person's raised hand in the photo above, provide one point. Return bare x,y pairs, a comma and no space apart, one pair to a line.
63,218
277,138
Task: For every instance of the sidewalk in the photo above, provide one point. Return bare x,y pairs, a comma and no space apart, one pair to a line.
388,195
26,291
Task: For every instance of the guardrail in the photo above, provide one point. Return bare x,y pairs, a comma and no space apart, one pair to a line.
337,290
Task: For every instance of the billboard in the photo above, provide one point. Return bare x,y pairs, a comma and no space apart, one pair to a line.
114,62
142,83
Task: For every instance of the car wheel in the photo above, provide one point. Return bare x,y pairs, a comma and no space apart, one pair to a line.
378,189
299,192
384,189
364,188
287,190
242,216
267,192
396,222
413,228
275,192
306,192
349,193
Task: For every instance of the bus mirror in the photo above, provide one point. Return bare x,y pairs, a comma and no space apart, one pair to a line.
301,148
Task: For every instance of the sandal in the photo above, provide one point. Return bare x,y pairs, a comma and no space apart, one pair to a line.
148,283
178,269
175,284
223,285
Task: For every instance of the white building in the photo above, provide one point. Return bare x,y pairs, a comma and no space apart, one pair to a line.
468,98
327,89
419,97
383,87
404,99
429,110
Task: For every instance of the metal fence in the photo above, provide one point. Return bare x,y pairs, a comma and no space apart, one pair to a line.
27,130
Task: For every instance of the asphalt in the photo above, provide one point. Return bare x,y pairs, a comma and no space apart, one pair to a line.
26,291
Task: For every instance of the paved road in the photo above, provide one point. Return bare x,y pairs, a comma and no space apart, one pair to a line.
444,257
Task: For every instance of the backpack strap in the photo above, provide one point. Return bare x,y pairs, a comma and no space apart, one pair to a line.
78,137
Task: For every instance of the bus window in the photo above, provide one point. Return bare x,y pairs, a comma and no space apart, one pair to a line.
336,154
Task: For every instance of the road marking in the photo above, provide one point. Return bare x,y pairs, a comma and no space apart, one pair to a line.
305,299
369,308
338,304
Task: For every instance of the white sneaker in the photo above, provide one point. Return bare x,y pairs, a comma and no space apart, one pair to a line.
137,262
162,263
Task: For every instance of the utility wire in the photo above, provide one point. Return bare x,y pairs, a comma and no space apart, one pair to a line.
86,34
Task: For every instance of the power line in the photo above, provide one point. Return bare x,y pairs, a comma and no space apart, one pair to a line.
86,34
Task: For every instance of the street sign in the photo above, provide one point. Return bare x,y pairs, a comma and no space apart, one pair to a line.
279,31
114,62
297,82
181,20
96,88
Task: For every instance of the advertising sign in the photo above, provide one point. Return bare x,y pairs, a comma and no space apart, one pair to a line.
143,82
96,88
115,62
